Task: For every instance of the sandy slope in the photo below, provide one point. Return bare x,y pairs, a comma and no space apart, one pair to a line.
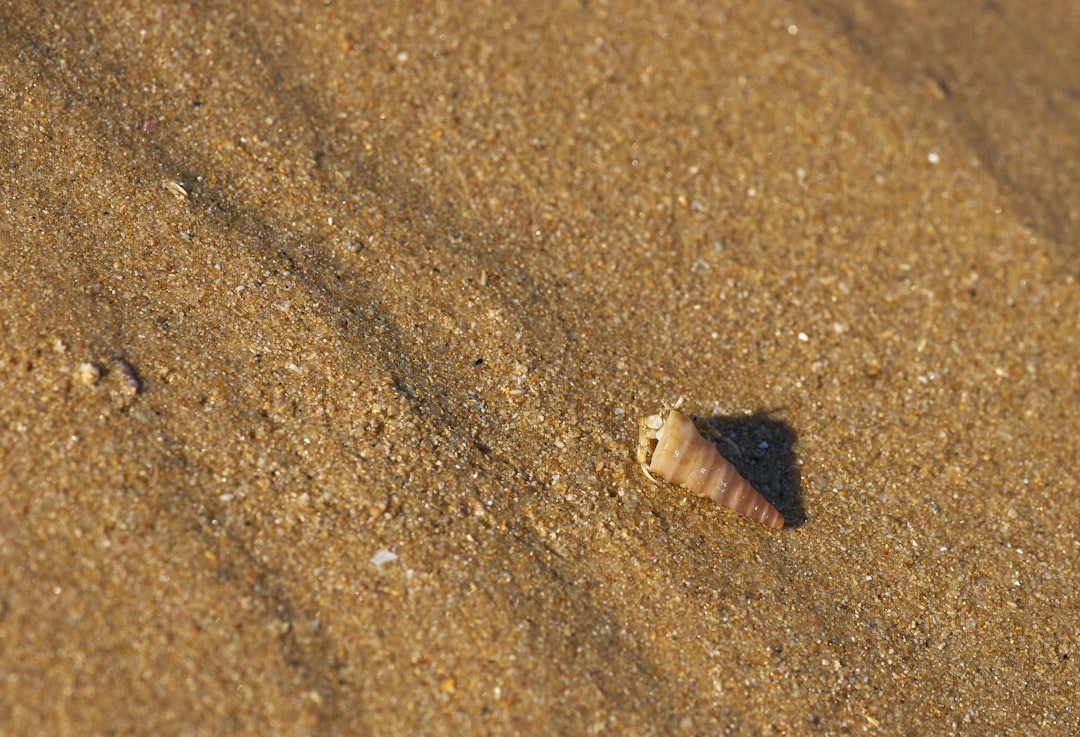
326,331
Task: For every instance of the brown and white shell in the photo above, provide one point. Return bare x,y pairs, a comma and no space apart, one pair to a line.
671,446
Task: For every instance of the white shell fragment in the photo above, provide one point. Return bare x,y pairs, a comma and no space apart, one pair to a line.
383,556
176,189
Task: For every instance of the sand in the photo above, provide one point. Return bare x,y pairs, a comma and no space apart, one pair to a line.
327,329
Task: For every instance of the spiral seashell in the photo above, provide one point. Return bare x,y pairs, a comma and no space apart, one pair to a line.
673,448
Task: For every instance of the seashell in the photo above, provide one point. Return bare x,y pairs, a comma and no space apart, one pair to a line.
671,446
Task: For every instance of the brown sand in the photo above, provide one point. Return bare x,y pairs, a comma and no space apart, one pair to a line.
291,290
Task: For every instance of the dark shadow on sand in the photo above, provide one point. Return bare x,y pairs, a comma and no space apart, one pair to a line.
765,457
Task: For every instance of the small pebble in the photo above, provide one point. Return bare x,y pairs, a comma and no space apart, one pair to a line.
129,380
89,374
